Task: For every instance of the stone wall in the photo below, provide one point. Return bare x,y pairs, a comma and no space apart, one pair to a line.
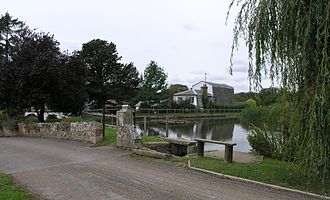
127,137
163,147
7,132
77,131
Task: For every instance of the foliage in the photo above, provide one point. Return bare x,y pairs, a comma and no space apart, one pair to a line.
171,90
10,30
110,138
38,60
2,115
267,143
289,41
269,96
276,117
265,97
101,60
107,78
251,103
185,104
9,190
72,119
70,91
236,105
126,83
151,139
270,171
153,83
243,96
205,97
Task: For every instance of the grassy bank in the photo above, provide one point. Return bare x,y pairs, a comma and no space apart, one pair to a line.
269,171
9,190
111,138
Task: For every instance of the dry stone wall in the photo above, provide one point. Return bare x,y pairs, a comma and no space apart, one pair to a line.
77,131
126,135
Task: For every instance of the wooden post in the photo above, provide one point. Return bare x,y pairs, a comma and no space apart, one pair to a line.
200,149
144,125
166,126
229,153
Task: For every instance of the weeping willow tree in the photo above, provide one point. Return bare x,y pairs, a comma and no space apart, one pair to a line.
289,42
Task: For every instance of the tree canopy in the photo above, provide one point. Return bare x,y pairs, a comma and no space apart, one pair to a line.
107,78
37,60
153,83
288,41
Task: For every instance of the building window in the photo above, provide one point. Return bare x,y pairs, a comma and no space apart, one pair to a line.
179,99
191,99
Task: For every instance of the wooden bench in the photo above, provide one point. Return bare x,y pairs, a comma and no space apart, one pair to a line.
179,147
228,148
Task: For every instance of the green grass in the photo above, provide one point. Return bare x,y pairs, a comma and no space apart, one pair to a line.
270,171
9,190
109,139
72,119
152,139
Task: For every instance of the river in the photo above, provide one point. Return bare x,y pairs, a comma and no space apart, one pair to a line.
207,128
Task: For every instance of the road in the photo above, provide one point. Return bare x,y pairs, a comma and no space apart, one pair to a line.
59,169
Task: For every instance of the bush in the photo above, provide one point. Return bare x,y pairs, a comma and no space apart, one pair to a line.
186,104
237,105
276,117
52,118
256,116
266,142
250,103
2,115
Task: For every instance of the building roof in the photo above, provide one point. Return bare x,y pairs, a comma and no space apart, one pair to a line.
200,93
190,92
215,84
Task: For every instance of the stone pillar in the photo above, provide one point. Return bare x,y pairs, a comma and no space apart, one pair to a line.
126,134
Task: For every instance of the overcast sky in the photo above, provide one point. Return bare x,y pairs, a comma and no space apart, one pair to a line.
188,38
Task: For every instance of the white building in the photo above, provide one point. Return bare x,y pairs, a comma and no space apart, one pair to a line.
218,93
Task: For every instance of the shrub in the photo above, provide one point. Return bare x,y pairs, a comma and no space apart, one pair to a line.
267,143
52,118
2,115
256,116
250,103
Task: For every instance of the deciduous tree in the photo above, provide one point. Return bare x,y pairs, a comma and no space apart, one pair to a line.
153,83
38,60
289,41
101,59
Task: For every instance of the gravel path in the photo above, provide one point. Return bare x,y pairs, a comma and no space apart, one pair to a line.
58,169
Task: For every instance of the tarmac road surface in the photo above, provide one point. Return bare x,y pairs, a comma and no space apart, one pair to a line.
63,170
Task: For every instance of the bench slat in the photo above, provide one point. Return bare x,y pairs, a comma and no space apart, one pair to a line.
180,141
216,142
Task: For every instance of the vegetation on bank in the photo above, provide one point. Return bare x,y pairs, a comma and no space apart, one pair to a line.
10,190
111,138
288,43
271,171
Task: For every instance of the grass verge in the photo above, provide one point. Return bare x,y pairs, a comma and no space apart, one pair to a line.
270,171
152,139
110,138
9,190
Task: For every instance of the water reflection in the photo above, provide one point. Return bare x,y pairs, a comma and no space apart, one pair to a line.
215,129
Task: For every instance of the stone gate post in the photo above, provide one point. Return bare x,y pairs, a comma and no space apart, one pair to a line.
126,134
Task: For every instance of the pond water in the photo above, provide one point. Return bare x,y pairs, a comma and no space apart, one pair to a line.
210,128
